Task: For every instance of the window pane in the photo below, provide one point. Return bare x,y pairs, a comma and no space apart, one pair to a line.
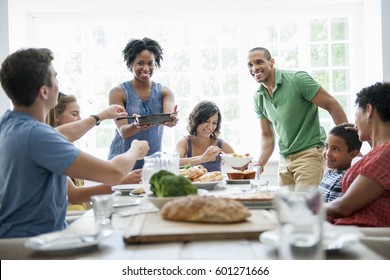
181,86
210,59
319,56
322,77
318,30
345,101
229,59
229,134
290,58
340,80
210,85
339,29
231,111
230,84
180,60
289,32
270,34
340,55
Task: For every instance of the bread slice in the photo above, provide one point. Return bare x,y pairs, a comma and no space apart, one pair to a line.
207,209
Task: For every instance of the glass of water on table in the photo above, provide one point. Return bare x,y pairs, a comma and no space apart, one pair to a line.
301,218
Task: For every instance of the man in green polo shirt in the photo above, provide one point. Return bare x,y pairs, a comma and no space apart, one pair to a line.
287,102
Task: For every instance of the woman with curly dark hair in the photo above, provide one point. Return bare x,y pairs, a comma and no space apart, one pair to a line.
366,184
202,145
141,96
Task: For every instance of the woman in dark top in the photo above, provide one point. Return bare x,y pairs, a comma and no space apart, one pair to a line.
202,145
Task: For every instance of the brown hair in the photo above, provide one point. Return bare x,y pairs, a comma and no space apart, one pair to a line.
200,114
24,72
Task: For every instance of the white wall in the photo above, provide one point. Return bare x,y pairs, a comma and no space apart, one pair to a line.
386,39
4,49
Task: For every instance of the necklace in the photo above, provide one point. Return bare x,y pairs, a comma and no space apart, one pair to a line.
144,93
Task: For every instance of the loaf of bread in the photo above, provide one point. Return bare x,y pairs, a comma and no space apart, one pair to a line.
205,209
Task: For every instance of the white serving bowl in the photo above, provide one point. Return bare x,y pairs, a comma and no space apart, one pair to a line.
159,202
235,161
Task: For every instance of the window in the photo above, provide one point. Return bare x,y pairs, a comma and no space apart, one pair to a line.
205,58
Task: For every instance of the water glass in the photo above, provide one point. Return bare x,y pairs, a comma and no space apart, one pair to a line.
102,208
156,162
301,217
259,184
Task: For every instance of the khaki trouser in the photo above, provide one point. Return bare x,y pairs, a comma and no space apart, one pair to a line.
303,170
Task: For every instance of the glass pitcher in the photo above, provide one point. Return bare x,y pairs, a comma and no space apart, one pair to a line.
156,162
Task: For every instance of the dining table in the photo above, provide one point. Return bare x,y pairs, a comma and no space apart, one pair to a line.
374,243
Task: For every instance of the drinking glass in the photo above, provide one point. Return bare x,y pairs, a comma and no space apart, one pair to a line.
102,207
156,162
301,217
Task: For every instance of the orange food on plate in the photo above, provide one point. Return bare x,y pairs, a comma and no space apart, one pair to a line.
235,175
249,174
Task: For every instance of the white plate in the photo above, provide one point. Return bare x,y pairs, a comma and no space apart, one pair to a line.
64,243
205,185
120,204
125,189
235,161
334,239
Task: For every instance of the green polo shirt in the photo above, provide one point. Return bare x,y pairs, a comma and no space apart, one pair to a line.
294,117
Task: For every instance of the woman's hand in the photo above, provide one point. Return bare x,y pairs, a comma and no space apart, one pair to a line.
112,112
141,126
174,118
211,153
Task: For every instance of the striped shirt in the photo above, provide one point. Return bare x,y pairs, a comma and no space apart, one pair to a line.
330,186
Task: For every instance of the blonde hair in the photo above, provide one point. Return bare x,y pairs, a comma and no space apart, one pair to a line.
62,103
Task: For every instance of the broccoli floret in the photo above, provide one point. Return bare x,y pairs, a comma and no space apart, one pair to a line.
155,185
189,188
165,183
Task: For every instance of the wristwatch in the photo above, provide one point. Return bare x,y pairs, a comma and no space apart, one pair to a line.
96,118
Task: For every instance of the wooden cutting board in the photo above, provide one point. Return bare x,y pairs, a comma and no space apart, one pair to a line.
151,227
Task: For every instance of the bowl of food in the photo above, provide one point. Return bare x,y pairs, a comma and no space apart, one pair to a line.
166,186
236,160
159,202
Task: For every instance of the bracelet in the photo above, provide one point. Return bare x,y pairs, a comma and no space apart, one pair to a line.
261,166
96,117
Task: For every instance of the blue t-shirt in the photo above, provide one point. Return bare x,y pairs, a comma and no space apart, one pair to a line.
33,193
136,106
